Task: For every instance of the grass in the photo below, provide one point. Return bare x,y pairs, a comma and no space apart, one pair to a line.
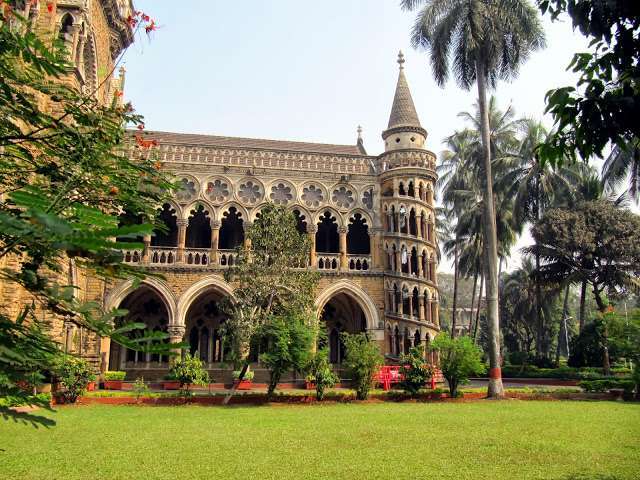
484,439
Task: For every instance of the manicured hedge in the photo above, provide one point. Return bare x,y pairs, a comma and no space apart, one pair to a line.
607,384
565,373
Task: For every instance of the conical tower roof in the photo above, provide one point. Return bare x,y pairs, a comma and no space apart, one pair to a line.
403,112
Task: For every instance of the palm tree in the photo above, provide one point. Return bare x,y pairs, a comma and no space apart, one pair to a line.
482,41
450,174
533,186
623,163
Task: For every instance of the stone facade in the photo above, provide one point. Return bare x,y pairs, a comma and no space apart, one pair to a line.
371,221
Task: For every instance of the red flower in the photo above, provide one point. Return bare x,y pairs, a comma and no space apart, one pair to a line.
151,27
50,7
132,21
141,126
142,143
119,93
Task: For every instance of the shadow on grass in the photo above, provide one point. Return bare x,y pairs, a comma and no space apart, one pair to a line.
590,476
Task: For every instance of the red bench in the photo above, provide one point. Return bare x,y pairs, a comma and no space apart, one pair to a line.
390,374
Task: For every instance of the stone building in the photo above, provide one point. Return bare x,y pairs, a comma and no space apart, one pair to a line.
370,218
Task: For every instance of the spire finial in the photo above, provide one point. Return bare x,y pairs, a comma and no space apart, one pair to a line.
359,130
401,59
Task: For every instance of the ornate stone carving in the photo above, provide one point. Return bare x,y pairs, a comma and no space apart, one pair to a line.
281,193
312,196
250,192
187,190
218,191
367,198
175,331
343,197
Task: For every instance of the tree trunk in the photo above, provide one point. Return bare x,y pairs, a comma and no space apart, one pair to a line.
234,387
606,366
563,325
473,300
454,312
475,329
495,389
541,351
583,299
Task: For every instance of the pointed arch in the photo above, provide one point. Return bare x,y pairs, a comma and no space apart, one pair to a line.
117,295
356,293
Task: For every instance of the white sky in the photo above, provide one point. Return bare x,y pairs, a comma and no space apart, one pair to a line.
308,71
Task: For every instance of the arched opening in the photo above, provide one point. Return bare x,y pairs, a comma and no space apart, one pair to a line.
396,341
421,191
231,230
401,190
427,306
407,341
342,313
425,264
167,237
415,303
414,261
411,191
65,27
203,322
403,223
301,222
413,225
198,229
405,301
393,220
397,301
389,334
358,236
144,305
394,266
416,339
327,238
404,259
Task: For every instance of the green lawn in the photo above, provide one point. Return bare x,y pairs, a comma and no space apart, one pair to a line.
475,440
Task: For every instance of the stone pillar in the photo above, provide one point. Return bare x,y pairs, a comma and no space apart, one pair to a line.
375,238
436,313
421,308
215,237
396,228
105,350
247,241
429,312
410,306
419,226
409,263
146,251
313,255
398,262
176,335
419,263
344,261
182,237
399,304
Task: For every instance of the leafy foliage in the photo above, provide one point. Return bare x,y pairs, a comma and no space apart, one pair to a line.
140,388
460,358
415,370
188,371
67,170
114,375
75,374
603,107
363,359
269,281
288,339
320,372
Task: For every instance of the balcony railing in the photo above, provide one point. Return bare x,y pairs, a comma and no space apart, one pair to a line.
202,257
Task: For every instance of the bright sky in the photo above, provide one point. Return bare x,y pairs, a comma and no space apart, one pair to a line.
308,71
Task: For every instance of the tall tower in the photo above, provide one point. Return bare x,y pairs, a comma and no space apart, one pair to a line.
407,177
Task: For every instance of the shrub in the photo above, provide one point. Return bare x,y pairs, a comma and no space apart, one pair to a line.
363,359
75,374
140,388
460,358
320,372
605,385
415,370
188,371
114,376
20,401
248,375
288,339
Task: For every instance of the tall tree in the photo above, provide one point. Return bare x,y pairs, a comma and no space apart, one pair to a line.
596,239
482,41
534,186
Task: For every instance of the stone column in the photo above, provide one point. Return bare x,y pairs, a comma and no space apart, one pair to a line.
375,238
313,255
182,237
146,251
419,263
421,308
409,264
419,226
398,261
176,335
105,350
429,312
399,304
396,228
436,313
215,237
344,261
410,306
247,241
